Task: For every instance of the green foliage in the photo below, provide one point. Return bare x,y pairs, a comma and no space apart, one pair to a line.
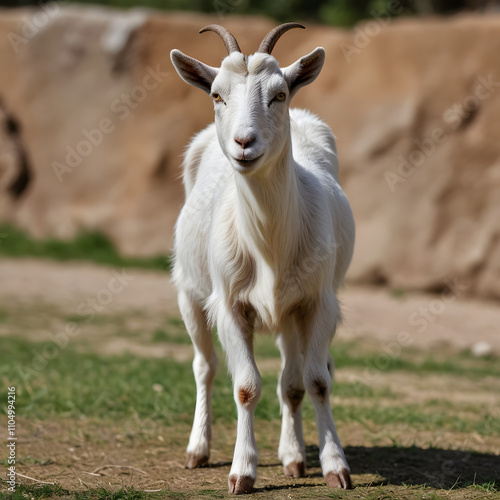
89,245
333,12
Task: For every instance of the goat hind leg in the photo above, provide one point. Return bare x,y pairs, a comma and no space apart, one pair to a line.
291,449
318,380
204,368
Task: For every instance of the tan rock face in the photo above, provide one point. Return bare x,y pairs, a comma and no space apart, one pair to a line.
103,120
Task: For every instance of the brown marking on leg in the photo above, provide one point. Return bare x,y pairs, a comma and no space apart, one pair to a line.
295,469
295,397
320,388
194,461
340,480
246,395
240,485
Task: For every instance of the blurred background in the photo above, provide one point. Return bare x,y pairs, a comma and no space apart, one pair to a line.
93,124
330,12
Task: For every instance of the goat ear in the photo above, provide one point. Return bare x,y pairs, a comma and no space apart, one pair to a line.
305,70
193,71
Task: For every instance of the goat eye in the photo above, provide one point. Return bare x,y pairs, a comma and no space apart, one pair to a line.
216,97
280,96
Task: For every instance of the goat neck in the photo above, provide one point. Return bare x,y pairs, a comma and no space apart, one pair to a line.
267,205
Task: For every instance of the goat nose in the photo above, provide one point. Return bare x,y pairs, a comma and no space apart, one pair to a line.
246,142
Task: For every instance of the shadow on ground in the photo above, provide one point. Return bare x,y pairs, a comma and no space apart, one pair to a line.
398,466
416,466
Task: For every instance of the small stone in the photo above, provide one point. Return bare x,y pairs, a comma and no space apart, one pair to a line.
481,349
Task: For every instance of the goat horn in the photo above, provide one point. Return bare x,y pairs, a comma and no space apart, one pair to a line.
273,36
228,39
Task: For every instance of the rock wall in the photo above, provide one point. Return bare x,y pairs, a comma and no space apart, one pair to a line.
94,120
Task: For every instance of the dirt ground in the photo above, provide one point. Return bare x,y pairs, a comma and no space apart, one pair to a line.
86,454
426,321
90,454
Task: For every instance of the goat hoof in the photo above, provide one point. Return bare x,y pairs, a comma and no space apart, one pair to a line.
295,469
340,480
194,461
240,485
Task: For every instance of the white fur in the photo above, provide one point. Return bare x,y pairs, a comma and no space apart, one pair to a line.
265,245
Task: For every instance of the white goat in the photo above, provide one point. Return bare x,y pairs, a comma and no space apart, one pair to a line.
264,240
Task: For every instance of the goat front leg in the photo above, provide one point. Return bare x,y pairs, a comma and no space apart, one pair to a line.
291,449
204,368
318,380
236,335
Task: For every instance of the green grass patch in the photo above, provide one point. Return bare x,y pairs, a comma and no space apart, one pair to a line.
265,347
75,384
4,316
370,362
173,332
352,355
397,293
366,492
416,417
27,460
486,486
89,245
360,390
160,335
52,382
42,491
97,319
